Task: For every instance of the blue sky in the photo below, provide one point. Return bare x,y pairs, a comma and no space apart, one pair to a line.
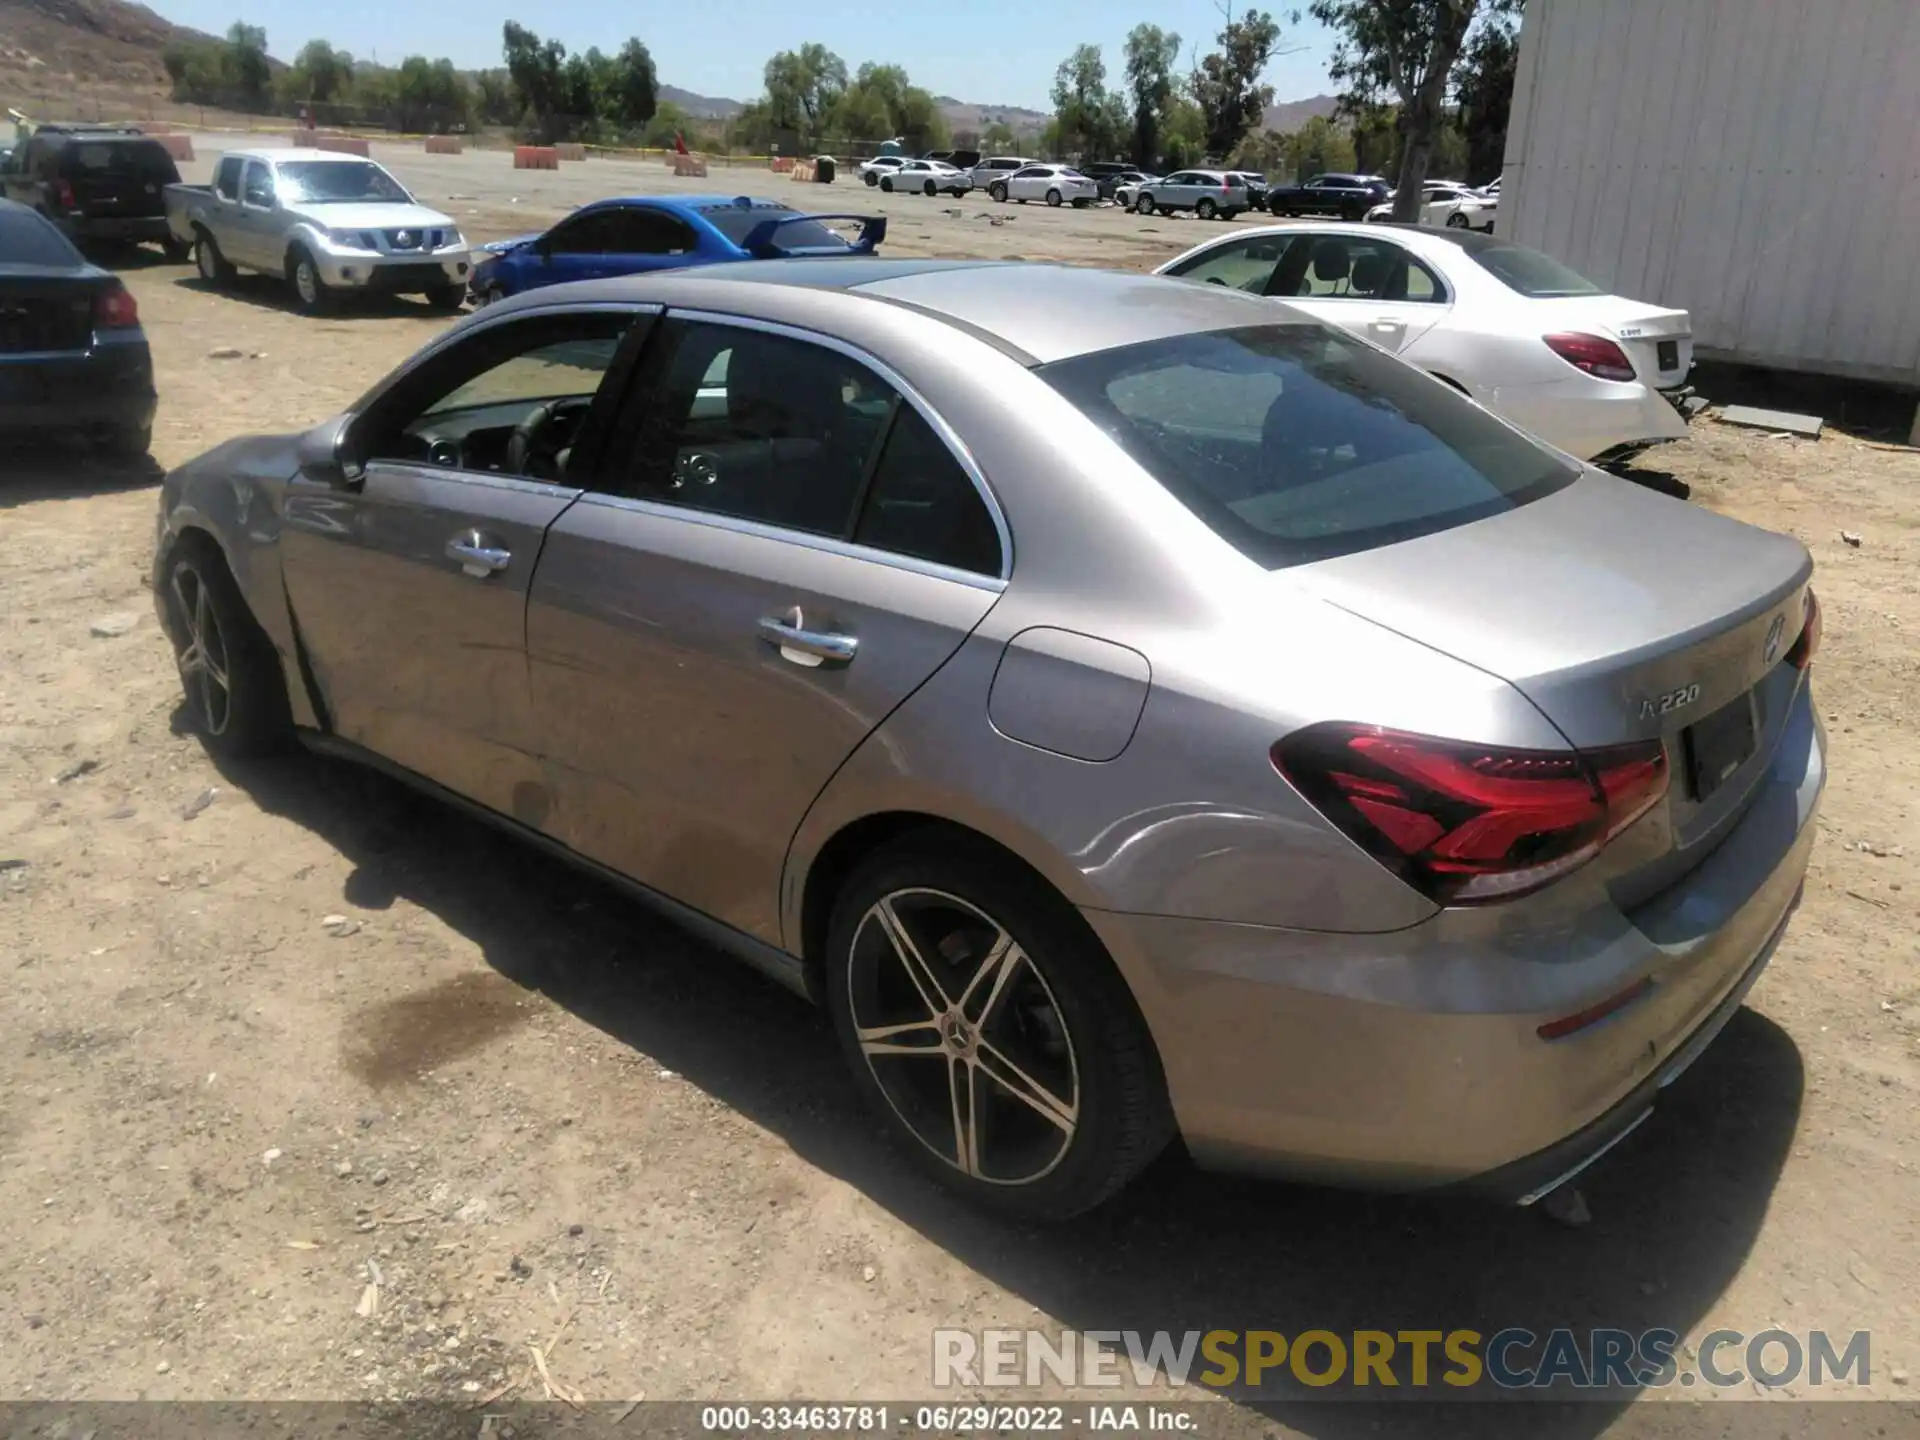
991,52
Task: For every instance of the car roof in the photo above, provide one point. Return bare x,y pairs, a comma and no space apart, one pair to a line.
688,204
1037,312
295,152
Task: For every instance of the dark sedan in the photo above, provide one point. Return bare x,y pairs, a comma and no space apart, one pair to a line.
73,358
1347,197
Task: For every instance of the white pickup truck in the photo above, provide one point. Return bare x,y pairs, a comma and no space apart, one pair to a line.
330,224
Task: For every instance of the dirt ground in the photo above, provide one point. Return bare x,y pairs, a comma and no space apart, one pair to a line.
276,1034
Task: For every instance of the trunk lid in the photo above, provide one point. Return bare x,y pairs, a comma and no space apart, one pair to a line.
1658,341
44,310
1622,615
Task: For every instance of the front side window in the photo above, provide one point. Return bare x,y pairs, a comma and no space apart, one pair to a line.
1297,443
509,400
258,190
226,180
647,232
1240,264
593,234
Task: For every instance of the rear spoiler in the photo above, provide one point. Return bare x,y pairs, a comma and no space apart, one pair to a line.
760,242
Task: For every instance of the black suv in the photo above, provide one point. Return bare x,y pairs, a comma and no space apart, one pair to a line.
1347,196
96,183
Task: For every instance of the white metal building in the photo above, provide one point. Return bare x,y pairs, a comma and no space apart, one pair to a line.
1755,162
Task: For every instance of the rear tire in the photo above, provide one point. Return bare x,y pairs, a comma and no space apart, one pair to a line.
131,443
1053,198
1205,209
208,260
1458,221
229,670
1081,203
178,252
1088,1109
871,179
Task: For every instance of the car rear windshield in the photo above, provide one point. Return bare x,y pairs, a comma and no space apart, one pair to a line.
338,182
1296,443
141,159
736,225
26,239
1528,272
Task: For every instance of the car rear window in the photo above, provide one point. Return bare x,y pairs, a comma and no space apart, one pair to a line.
736,225
143,159
1527,272
1296,443
26,239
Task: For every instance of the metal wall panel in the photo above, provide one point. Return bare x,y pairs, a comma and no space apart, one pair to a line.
1754,162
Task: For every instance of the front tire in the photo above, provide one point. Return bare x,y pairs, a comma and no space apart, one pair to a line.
999,194
1143,205
887,185
989,1030
310,292
929,189
447,298
229,671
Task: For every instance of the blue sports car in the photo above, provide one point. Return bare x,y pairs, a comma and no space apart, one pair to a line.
639,233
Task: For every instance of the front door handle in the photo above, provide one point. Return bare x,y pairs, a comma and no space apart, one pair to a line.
807,647
476,557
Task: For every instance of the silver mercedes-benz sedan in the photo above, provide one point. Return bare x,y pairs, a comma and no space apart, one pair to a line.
1132,708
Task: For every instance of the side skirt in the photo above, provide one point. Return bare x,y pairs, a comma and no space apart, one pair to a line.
774,963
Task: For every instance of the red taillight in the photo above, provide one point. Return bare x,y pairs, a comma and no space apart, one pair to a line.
115,309
1595,354
63,192
1466,824
1808,645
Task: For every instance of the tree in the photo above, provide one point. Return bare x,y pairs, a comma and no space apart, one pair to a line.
1151,55
668,121
494,102
1405,50
1080,101
803,86
1185,142
534,67
633,89
1226,84
250,73
881,103
1319,146
319,73
998,136
1484,89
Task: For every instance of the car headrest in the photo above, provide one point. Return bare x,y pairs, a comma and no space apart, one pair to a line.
1330,260
1369,272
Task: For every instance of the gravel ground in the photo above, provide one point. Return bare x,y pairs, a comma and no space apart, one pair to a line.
314,1089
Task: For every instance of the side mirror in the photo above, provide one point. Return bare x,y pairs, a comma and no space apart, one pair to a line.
324,457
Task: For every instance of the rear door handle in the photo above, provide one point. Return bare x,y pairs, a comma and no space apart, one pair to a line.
476,556
807,647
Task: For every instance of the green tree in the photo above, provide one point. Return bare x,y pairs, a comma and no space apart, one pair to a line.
534,67
881,103
494,102
1319,146
249,71
1376,136
633,89
1185,142
998,136
1226,85
1151,56
1080,102
1407,51
319,73
803,86
1484,88
668,120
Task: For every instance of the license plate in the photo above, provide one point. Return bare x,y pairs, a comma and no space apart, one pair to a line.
1669,353
1718,746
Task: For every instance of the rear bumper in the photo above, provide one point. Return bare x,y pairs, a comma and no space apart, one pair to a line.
1412,1060
133,229
1587,417
109,388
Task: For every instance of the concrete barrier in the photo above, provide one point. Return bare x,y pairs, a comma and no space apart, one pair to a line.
341,145
569,151
802,170
535,157
180,147
444,145
692,167
155,127
782,164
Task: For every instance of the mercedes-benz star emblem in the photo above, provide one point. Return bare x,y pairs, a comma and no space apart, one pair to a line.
1772,650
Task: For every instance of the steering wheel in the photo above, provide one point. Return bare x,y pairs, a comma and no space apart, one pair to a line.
528,448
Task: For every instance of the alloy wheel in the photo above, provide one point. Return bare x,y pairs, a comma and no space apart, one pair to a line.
206,260
306,283
203,657
963,1036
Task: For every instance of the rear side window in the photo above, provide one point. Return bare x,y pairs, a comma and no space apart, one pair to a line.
1527,272
136,159
922,503
26,239
1295,443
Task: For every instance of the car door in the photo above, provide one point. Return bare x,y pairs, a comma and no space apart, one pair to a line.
748,592
408,582
252,230
639,240
581,248
1028,183
1367,285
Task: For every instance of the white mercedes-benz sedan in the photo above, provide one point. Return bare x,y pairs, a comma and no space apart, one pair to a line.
1596,375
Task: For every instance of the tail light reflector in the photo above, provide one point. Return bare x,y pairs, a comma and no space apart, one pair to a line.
1808,645
1595,354
115,309
63,192
1467,824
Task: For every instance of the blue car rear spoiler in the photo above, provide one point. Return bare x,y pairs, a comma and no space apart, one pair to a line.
760,242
